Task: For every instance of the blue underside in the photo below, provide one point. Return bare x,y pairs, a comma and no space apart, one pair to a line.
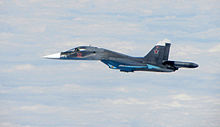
128,68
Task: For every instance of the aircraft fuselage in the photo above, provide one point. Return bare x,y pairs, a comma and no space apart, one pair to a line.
156,60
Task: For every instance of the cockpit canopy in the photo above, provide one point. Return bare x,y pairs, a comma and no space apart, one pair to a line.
81,48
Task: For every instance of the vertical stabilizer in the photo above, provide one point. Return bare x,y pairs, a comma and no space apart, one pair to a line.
159,53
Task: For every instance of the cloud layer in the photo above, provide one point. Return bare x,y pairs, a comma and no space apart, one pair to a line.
35,92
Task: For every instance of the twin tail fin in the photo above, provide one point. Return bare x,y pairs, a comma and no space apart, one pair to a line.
159,53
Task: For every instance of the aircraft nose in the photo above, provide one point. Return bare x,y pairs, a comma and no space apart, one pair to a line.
53,56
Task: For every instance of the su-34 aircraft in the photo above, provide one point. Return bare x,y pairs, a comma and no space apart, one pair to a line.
156,60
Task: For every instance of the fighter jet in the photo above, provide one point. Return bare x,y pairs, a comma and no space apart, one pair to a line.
156,60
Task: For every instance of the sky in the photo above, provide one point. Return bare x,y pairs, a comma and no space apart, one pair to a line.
37,92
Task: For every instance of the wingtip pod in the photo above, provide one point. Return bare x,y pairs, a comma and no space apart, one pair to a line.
163,42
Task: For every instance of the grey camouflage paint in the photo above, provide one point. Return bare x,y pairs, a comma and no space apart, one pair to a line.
156,60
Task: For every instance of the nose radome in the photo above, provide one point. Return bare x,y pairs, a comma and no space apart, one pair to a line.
53,56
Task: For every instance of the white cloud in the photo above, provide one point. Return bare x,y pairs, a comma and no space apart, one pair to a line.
122,89
124,26
9,124
1,2
120,46
125,101
42,109
65,89
212,33
6,35
215,49
24,67
175,104
19,68
185,51
70,89
182,97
